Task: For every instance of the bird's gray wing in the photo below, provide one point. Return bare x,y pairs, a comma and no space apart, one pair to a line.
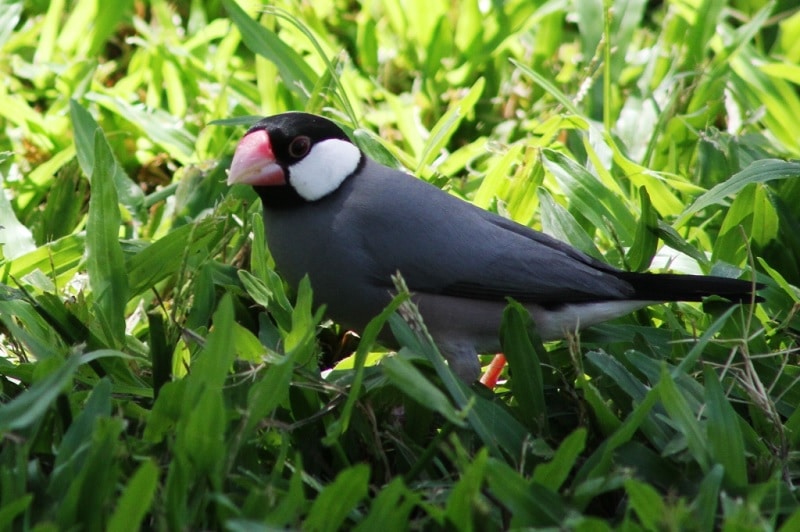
444,245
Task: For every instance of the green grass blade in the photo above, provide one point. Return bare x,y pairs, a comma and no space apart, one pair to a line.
531,505
758,172
371,332
704,507
338,499
296,73
553,473
104,261
522,347
84,128
684,419
646,239
726,443
32,404
136,499
413,383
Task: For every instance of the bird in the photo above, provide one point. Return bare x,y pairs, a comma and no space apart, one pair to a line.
349,223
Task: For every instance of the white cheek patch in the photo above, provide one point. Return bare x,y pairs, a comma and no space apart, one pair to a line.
325,167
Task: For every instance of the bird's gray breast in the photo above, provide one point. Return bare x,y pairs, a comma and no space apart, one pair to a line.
325,240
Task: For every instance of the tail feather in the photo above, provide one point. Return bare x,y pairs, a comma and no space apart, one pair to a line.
677,287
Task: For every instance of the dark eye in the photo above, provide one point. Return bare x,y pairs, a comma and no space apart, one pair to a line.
299,147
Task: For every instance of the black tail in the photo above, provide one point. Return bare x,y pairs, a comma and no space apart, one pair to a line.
676,287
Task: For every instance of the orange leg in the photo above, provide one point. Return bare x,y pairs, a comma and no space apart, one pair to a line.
489,378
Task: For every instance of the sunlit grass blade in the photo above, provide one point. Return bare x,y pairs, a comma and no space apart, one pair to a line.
104,261
758,172
84,127
296,73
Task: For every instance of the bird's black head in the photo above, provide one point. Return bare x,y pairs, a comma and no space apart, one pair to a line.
294,158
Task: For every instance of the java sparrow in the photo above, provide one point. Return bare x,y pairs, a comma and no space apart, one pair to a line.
350,223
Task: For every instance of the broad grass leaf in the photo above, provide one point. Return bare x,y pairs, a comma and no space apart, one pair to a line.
158,125
108,277
600,462
77,441
300,340
59,259
689,361
13,508
446,126
627,381
294,505
558,222
549,87
40,179
523,350
374,148
210,369
461,501
780,280
776,96
136,499
268,392
753,212
498,429
684,420
758,172
27,325
633,386
338,499
94,485
294,70
606,418
177,489
10,13
704,506
646,502
726,444
84,127
496,183
792,522
531,505
552,474
64,210
391,507
200,429
674,240
651,368
645,240
367,43
76,39
200,434
168,254
440,44
15,238
368,338
589,196
701,23
782,70
413,383
590,16
27,408
261,266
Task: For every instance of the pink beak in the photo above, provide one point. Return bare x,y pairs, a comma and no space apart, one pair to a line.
254,162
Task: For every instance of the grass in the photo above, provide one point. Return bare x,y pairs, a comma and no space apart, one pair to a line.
157,373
